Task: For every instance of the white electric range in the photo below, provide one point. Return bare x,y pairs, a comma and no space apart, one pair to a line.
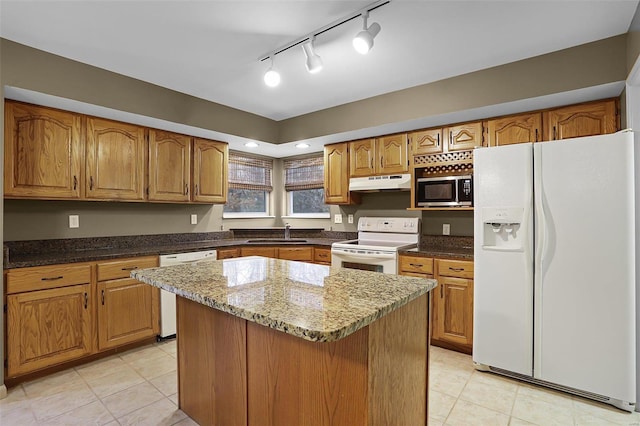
379,239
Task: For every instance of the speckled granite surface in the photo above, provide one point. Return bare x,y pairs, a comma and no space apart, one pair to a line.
441,246
314,302
22,254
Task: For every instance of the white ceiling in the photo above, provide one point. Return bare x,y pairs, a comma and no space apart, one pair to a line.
210,49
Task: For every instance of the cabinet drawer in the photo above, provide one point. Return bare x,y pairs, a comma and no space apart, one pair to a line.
227,253
421,265
322,255
121,268
304,254
455,268
258,251
45,277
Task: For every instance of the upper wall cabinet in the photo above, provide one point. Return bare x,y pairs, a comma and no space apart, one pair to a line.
384,155
43,153
588,119
115,160
210,181
336,175
514,129
169,166
464,136
426,141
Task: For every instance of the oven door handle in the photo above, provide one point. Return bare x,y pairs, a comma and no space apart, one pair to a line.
345,254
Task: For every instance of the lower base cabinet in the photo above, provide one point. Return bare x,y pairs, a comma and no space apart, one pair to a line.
57,313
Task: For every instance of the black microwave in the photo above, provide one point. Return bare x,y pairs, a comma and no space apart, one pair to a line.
446,191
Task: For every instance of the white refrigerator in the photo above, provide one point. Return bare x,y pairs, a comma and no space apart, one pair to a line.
554,252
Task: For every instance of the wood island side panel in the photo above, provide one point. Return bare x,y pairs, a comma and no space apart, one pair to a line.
212,364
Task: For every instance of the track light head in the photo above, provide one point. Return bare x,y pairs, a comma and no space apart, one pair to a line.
271,77
314,62
363,42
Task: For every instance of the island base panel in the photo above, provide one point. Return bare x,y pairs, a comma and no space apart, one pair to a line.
234,372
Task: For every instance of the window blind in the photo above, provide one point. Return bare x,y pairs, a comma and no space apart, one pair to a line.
304,173
248,172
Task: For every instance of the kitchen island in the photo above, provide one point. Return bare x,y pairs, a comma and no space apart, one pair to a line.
293,343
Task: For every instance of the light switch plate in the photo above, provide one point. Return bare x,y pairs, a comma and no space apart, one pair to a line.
194,219
446,229
74,221
350,218
337,218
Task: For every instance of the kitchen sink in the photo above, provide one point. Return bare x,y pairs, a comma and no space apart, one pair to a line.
277,240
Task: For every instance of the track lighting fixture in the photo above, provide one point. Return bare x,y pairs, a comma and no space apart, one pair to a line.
363,42
271,77
314,62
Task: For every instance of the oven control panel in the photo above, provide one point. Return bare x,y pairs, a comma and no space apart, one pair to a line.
398,225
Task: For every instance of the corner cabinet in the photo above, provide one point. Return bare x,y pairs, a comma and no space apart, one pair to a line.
336,175
43,152
210,181
115,161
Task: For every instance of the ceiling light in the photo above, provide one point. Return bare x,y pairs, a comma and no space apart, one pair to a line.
251,145
271,77
314,62
302,145
363,42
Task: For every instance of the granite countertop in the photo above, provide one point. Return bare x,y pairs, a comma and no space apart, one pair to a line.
314,302
460,253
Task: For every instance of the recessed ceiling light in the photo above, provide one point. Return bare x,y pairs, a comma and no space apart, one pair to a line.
302,145
251,145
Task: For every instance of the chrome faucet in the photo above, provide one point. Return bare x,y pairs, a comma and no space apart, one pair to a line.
287,231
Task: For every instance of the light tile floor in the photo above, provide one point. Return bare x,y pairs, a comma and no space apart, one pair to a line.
139,388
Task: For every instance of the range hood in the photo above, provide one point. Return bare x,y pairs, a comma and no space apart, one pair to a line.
400,182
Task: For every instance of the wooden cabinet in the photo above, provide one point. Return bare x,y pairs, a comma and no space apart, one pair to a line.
595,118
50,317
427,141
259,251
452,304
336,175
322,255
115,161
227,253
302,254
415,266
210,182
384,155
42,152
463,136
127,309
169,166
514,129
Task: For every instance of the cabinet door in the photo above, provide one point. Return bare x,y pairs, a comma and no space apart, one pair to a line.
42,152
514,129
259,251
336,175
362,158
210,162
322,255
574,121
392,153
115,160
127,312
464,136
48,327
169,166
453,311
426,141
227,253
303,254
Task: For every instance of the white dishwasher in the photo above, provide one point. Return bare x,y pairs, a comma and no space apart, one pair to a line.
167,299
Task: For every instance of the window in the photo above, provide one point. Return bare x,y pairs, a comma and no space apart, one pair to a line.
249,186
304,183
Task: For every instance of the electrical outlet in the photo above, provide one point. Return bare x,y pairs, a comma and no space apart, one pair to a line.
446,229
194,219
337,218
74,221
350,218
